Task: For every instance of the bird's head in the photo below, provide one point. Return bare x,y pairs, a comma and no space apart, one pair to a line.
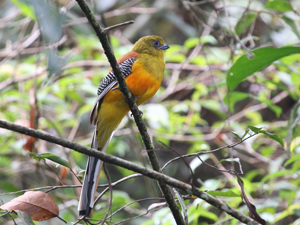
153,45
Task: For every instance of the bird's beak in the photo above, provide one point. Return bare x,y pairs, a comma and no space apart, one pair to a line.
164,47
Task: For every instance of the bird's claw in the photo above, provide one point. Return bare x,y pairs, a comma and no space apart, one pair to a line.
135,98
140,114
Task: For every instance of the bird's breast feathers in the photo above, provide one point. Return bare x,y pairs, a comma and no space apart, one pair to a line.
140,82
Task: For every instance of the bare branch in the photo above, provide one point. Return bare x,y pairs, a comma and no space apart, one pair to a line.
206,152
130,166
118,25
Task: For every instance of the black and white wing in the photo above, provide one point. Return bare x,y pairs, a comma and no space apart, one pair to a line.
108,83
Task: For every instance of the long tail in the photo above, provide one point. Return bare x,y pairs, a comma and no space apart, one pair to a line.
90,182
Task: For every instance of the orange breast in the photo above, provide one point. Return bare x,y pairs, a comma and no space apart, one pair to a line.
140,84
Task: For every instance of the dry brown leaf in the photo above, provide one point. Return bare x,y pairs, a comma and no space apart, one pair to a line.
38,205
251,208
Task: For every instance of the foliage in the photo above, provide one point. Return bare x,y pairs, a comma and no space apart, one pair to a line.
232,70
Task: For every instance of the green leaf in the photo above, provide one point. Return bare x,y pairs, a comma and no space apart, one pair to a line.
34,156
255,129
230,160
209,215
295,79
51,157
224,193
246,132
279,5
221,161
199,60
293,159
287,213
176,54
255,117
275,108
244,135
283,87
213,106
292,123
277,174
292,24
26,9
272,136
263,57
244,23
24,217
114,41
178,58
79,170
236,135
231,98
208,39
191,42
269,135
182,205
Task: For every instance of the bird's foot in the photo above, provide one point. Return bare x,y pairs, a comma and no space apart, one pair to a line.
134,97
140,114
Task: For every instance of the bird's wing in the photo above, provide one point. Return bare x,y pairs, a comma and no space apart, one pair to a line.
94,165
125,64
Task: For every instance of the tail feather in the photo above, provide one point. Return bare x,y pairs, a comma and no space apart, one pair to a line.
90,182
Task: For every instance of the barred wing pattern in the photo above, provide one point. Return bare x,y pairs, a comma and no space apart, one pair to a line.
109,82
105,84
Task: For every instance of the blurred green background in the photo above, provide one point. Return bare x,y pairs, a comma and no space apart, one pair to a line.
51,64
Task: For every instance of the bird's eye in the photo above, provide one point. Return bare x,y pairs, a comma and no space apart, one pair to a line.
156,43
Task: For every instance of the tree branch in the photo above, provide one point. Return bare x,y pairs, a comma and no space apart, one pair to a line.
118,25
101,33
130,166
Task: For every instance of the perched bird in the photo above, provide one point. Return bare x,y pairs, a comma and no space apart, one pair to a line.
143,70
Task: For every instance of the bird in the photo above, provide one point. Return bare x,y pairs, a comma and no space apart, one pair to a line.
143,71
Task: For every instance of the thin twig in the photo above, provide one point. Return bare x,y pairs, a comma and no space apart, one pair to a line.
117,12
207,152
53,170
9,213
41,188
110,194
134,217
149,210
51,188
185,162
258,107
237,38
4,214
11,81
118,25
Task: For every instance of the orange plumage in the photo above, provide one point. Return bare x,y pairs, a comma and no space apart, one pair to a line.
143,69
